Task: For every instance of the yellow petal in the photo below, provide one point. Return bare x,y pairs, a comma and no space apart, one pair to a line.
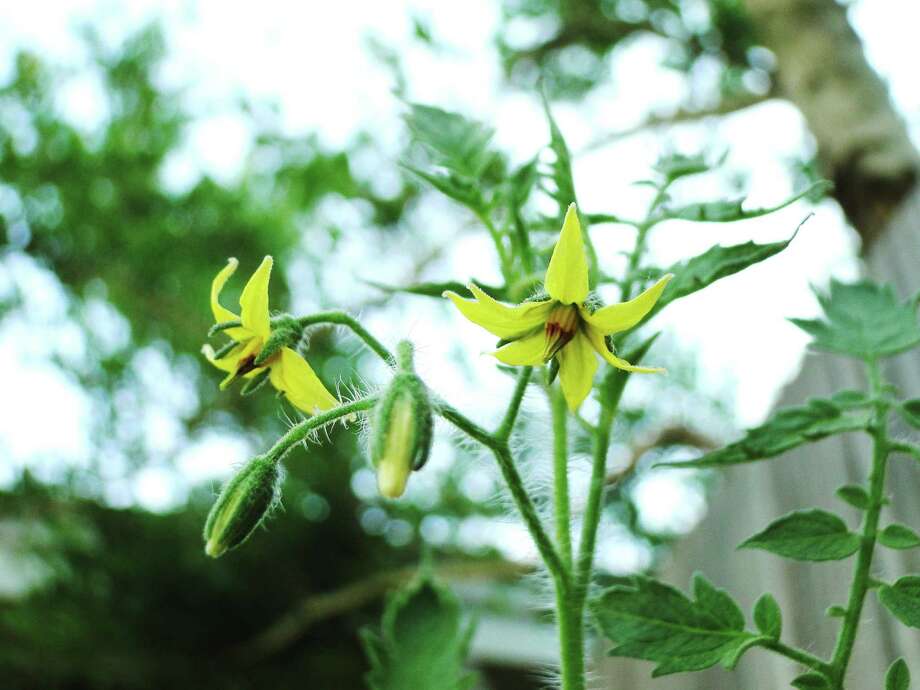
524,352
221,313
597,341
296,379
625,315
567,275
254,301
229,362
577,366
500,319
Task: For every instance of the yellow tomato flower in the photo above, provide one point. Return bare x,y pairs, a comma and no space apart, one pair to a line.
287,370
561,326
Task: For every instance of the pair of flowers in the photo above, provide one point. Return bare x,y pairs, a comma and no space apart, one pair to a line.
560,324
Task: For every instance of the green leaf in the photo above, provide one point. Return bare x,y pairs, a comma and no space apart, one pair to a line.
862,320
899,537
712,265
811,681
910,412
855,495
457,143
903,600
851,398
654,621
676,165
463,190
807,535
836,612
422,642
768,617
789,428
730,211
562,165
898,676
438,289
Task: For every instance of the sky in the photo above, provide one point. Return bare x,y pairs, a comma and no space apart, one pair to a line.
313,61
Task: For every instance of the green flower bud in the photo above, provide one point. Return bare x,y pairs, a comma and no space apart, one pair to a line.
401,429
245,501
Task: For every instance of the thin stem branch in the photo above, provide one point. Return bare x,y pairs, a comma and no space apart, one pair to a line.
507,424
301,431
512,477
342,318
503,258
799,656
561,475
861,577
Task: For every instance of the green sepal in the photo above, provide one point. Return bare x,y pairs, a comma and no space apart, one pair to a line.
285,332
811,681
898,676
863,320
650,620
243,504
552,371
903,599
789,428
223,326
807,535
250,386
422,641
768,617
855,495
898,536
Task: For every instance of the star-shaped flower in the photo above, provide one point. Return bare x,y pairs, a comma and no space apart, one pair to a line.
562,325
288,371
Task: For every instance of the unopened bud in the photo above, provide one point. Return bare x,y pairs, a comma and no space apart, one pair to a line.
245,501
401,431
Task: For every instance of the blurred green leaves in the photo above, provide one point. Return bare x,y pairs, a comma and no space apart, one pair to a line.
422,642
863,320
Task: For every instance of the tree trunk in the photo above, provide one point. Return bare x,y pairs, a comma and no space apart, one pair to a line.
864,148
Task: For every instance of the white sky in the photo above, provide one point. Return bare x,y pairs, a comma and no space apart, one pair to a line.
311,59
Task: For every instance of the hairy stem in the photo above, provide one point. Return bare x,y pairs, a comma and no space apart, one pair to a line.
861,576
514,406
800,656
342,318
570,621
561,475
301,431
592,515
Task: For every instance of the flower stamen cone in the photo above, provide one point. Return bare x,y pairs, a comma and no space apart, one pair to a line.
562,326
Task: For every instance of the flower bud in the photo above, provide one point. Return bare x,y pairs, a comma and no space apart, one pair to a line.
400,433
245,501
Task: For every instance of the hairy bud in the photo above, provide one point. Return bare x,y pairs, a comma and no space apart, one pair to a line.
245,501
401,429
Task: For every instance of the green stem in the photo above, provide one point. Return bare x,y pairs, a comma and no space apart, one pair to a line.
507,424
592,515
503,258
512,477
799,656
570,622
561,475
861,578
342,318
301,431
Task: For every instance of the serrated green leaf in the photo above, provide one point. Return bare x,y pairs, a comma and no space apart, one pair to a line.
863,320
732,210
807,535
438,289
712,265
855,495
903,600
910,412
462,190
656,622
422,642
455,142
810,681
789,428
899,537
767,617
898,676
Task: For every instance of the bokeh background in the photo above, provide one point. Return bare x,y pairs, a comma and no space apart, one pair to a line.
143,143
